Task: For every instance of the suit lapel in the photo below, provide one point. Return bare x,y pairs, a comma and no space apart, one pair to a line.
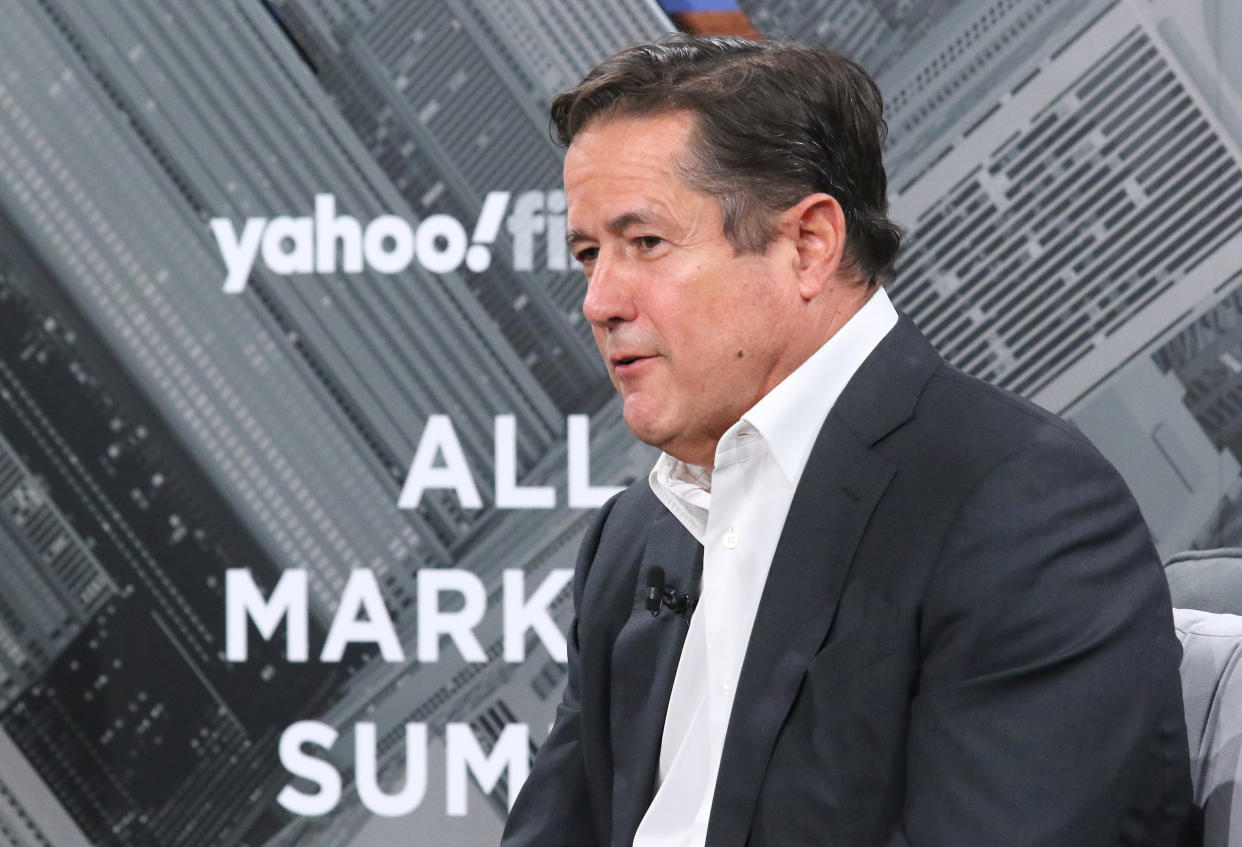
835,498
645,659
839,489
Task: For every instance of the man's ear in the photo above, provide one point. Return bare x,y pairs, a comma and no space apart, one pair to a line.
817,226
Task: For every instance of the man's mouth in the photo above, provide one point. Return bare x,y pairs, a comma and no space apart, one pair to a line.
628,365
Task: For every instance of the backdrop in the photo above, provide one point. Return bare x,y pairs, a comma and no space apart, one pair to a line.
300,423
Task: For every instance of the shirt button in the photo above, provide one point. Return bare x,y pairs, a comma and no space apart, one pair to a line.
726,683
730,539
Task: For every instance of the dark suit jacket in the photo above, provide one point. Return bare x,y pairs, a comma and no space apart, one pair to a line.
965,639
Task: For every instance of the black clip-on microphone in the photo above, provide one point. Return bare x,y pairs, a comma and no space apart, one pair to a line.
660,595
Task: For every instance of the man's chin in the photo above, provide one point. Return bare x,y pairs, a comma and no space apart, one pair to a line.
645,426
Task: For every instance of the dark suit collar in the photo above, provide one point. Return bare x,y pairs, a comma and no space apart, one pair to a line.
839,489
884,391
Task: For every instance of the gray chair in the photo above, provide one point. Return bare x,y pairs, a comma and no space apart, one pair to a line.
1211,673
1207,580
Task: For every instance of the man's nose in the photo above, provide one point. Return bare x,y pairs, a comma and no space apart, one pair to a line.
610,294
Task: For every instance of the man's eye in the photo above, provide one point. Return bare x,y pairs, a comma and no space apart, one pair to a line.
649,242
587,254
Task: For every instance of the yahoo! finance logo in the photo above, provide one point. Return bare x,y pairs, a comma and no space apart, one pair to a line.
388,244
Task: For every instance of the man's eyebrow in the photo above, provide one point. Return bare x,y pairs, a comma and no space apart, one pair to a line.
574,236
615,226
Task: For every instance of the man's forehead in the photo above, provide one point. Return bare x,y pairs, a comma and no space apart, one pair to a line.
621,148
626,170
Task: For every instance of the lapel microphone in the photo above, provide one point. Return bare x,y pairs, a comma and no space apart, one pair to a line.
660,595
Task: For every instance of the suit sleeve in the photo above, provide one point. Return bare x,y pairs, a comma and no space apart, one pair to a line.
553,808
1048,708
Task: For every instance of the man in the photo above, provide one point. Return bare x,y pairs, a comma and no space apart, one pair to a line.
930,612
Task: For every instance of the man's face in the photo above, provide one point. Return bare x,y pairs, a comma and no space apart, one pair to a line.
691,334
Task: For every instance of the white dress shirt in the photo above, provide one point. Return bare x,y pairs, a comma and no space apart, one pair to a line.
736,509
